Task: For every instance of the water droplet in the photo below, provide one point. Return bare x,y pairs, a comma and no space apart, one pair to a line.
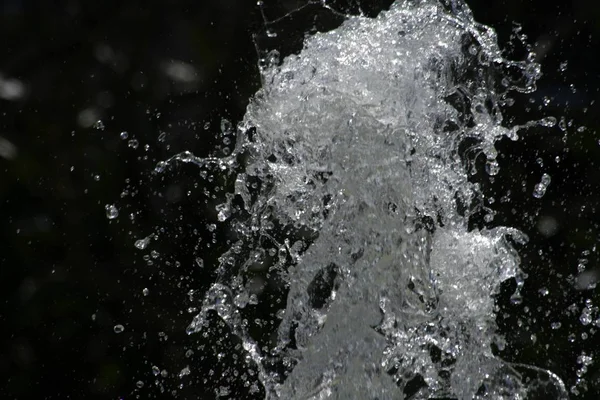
162,137
585,318
540,189
160,167
139,384
200,262
563,66
548,122
224,212
492,167
118,328
111,211
124,135
545,179
145,291
562,124
555,325
141,244
155,370
99,125
133,143
184,372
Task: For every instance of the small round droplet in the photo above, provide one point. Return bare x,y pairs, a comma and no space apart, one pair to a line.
124,135
118,328
111,211
139,384
145,291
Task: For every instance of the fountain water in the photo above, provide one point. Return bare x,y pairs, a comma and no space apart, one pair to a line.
353,190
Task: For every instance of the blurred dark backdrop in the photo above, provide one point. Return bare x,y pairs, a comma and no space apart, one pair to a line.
94,94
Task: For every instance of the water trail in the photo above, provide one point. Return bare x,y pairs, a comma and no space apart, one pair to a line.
352,187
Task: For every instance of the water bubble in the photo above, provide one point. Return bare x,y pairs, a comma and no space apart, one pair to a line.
124,135
118,328
111,211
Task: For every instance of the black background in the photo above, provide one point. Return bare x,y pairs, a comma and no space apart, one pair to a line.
68,274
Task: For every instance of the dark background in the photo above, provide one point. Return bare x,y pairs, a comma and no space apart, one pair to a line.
167,73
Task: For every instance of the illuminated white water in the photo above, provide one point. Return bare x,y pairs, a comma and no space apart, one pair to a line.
356,140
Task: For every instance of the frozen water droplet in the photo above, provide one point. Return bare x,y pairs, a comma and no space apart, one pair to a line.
124,135
118,328
112,212
141,244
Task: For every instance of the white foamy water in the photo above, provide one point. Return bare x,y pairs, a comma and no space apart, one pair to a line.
355,142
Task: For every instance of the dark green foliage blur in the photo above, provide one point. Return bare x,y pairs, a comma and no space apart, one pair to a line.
167,73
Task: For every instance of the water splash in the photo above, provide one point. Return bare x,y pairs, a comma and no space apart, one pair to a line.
353,188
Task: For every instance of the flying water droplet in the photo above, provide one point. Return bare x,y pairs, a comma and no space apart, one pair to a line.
111,211
540,188
141,244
